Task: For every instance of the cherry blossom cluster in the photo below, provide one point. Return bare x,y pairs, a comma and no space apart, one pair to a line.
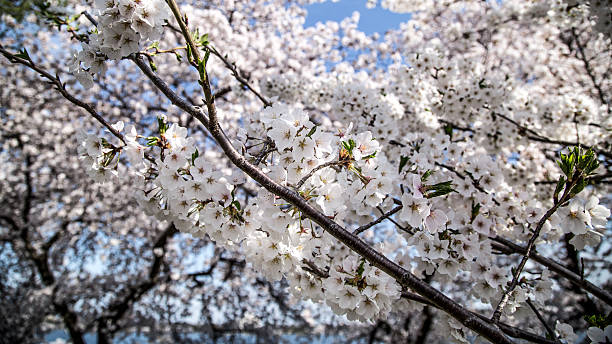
401,6
447,139
595,334
565,10
123,26
179,183
449,233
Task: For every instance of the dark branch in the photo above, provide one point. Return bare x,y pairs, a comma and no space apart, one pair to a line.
55,81
504,245
377,221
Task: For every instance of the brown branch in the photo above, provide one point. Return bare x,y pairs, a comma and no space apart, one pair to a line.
220,93
530,245
509,330
236,74
55,81
313,171
377,221
313,268
403,276
534,136
167,91
589,70
551,333
505,245
268,147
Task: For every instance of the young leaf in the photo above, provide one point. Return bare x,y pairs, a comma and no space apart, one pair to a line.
403,162
426,175
312,131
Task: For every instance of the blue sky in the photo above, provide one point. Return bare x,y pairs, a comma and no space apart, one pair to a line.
371,20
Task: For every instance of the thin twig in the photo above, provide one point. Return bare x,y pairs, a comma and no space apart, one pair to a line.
55,81
403,276
508,247
589,70
312,267
377,221
313,171
551,333
515,279
90,18
535,136
268,147
236,74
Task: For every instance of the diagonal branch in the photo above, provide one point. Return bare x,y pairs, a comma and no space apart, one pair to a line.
512,331
236,74
589,70
403,276
515,279
551,333
378,220
55,81
507,246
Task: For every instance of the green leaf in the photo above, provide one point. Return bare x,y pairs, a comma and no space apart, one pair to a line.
152,140
578,187
23,54
599,320
440,192
204,39
560,185
563,167
152,65
312,131
440,189
163,126
202,70
346,146
352,144
194,156
475,211
403,162
361,268
189,53
448,130
369,156
426,175
206,56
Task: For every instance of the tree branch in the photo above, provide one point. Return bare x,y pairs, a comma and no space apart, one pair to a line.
504,245
589,70
506,296
313,171
509,330
377,221
55,81
403,276
551,333
236,74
